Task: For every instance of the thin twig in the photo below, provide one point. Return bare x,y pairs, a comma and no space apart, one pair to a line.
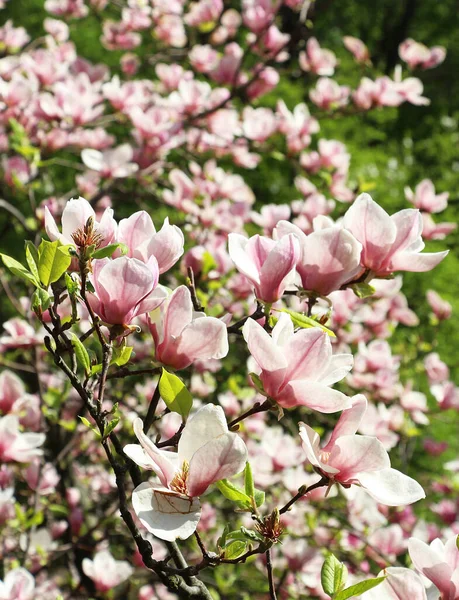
269,566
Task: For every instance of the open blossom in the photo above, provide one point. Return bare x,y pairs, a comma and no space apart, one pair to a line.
114,163
400,584
418,55
442,309
439,562
183,335
329,257
207,452
316,59
15,445
140,236
105,571
124,288
390,243
357,48
296,369
329,94
76,213
18,584
424,197
267,264
351,459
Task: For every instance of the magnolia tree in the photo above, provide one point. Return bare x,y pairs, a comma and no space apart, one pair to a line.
199,393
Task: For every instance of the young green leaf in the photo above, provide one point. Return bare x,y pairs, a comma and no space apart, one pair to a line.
333,575
174,393
53,261
233,493
19,270
31,253
300,320
40,300
81,353
106,251
248,480
235,549
358,588
362,290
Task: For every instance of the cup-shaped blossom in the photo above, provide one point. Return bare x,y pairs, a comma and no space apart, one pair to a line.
267,264
390,243
75,215
143,241
296,369
18,584
105,571
400,584
438,562
329,257
351,459
182,335
425,198
16,445
207,452
124,288
116,162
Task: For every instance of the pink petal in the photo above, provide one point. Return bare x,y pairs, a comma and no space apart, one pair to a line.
431,564
75,215
220,458
203,339
308,351
279,263
237,249
178,312
354,455
135,231
313,395
208,423
391,487
417,262
167,246
349,421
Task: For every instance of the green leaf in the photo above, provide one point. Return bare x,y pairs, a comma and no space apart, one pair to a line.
235,549
248,480
359,588
106,251
233,493
121,355
252,535
174,393
257,383
221,542
81,353
71,285
40,300
259,497
85,421
53,261
301,320
31,253
19,270
457,542
362,290
110,426
333,575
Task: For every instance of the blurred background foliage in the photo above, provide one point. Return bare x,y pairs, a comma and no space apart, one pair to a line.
390,149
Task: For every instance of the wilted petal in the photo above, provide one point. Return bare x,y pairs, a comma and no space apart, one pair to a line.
391,487
220,458
166,514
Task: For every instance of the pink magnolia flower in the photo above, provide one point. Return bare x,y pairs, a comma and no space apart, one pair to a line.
267,264
76,213
270,215
15,445
297,125
18,584
140,236
114,163
316,59
437,371
418,55
105,571
390,243
400,584
351,459
296,369
329,94
357,48
183,336
438,562
329,257
207,452
424,197
442,308
124,288
11,390
435,231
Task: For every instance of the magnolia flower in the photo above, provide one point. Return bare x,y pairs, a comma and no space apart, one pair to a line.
267,264
207,452
105,571
329,257
357,48
438,562
400,584
15,445
18,584
114,163
140,236
124,288
182,335
316,59
76,213
424,197
441,308
390,243
418,55
351,459
296,369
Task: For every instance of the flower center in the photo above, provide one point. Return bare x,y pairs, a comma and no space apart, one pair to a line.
178,483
